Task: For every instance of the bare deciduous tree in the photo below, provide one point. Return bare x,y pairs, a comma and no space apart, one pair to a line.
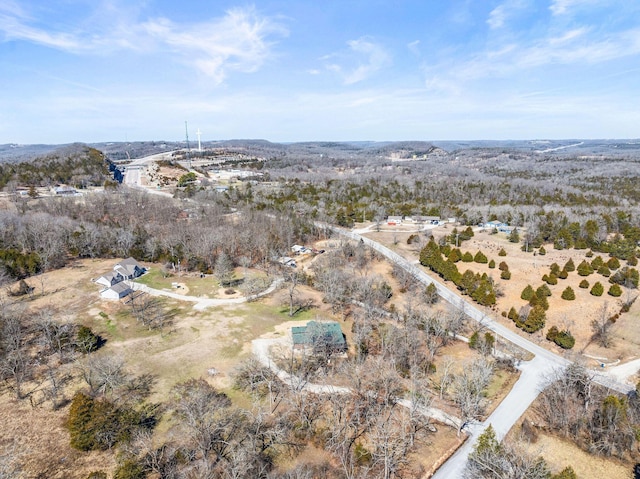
469,385
601,327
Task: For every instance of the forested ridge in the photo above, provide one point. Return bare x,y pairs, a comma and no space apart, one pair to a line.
78,165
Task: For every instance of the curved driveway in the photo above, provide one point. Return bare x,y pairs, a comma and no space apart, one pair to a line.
261,347
204,303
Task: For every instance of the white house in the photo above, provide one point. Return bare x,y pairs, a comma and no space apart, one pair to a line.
129,268
287,261
110,279
394,220
117,291
498,225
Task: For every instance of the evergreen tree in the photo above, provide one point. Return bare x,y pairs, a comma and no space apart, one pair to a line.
569,266
223,269
492,264
535,320
584,284
597,289
480,258
502,252
543,290
527,293
585,269
615,290
542,251
568,294
566,473
597,262
613,263
455,255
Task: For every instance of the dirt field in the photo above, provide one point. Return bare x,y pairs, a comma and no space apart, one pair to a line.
37,438
528,269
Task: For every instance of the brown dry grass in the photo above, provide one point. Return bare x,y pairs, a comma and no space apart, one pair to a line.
560,453
42,443
528,269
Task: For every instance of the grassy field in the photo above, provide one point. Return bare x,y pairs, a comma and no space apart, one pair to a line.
192,284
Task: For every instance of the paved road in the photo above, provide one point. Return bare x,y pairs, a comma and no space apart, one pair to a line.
626,370
133,172
531,381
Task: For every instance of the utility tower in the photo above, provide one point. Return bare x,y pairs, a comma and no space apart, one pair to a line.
186,131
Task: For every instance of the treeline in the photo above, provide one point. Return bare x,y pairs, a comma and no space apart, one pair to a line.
442,259
80,166
130,223
566,220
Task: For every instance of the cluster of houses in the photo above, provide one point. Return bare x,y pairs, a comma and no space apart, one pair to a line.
418,219
114,283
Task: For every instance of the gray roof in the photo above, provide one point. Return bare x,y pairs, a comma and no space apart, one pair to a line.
129,266
120,287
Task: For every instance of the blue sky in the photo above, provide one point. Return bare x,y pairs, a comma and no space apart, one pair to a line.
297,70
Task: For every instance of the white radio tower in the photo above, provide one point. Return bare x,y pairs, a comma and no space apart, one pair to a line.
199,133
186,133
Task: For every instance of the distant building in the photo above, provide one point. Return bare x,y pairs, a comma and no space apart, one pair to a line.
287,261
299,249
499,226
394,220
65,191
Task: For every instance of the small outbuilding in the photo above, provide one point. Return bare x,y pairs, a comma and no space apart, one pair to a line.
117,291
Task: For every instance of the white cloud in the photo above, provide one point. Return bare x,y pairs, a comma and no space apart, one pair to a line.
564,7
12,24
576,47
367,56
238,41
499,15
